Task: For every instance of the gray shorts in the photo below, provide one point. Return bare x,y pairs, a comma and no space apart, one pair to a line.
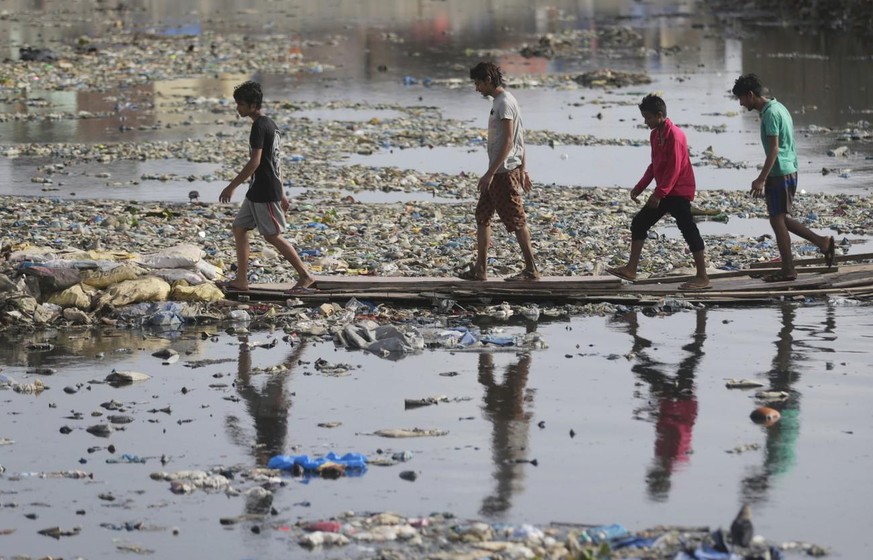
267,217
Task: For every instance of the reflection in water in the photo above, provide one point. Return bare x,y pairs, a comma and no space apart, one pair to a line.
506,407
780,447
268,404
675,404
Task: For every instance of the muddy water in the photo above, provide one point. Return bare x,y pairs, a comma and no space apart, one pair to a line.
691,56
654,428
644,396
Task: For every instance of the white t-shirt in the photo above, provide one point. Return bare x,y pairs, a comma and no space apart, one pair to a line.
505,107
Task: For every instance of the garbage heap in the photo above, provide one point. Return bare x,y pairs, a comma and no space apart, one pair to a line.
46,285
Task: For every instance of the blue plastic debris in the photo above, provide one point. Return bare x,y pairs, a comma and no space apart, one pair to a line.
707,553
498,340
633,542
603,533
355,463
127,458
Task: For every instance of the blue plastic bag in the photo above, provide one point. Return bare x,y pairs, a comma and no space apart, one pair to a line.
355,463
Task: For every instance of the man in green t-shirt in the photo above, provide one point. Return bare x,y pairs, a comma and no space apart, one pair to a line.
777,182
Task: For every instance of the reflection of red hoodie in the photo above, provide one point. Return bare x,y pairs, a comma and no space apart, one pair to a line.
675,422
671,167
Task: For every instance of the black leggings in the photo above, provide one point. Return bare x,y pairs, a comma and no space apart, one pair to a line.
680,209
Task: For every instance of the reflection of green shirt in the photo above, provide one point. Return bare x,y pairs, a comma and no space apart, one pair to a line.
777,121
782,442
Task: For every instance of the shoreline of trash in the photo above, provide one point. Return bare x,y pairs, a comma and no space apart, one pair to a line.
79,262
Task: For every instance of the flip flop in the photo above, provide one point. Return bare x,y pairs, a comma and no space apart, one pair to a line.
780,277
523,275
299,291
617,274
468,274
226,287
830,253
690,287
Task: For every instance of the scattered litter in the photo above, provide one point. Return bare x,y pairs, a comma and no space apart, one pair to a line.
410,433
743,384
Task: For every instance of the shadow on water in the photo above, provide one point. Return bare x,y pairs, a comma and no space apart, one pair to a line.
268,403
507,405
780,449
673,403
653,453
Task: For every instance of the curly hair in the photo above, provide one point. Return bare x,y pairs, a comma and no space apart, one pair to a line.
249,92
748,83
487,72
653,104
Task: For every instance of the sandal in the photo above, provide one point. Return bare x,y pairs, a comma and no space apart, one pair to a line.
226,287
296,291
523,275
830,253
615,272
692,287
780,277
469,274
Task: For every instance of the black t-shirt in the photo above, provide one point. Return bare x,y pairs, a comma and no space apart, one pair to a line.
266,182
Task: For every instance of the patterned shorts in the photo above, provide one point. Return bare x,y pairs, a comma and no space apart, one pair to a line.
779,193
503,197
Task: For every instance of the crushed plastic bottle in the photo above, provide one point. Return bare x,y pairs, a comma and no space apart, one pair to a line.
603,533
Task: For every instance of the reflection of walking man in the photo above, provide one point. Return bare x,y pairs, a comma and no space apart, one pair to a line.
781,437
777,182
676,401
505,408
268,405
501,186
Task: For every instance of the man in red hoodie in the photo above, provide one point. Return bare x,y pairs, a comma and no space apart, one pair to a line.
674,177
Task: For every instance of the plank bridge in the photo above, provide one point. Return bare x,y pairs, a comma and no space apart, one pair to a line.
851,276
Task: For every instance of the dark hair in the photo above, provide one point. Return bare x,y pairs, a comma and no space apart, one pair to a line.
487,71
653,104
748,83
249,92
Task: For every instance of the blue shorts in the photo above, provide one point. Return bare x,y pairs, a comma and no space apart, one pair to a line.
779,193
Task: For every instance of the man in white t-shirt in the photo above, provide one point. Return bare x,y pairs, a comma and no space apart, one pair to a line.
500,188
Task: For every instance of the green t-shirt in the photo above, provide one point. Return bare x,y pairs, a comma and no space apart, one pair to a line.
777,121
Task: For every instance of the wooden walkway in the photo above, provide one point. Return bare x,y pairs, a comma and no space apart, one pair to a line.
852,276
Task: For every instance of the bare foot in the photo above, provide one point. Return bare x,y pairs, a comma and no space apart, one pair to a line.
304,283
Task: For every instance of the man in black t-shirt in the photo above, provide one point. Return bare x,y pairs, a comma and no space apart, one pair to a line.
265,202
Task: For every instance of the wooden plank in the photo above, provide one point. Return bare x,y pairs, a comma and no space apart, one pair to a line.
725,285
425,282
805,270
725,274
817,260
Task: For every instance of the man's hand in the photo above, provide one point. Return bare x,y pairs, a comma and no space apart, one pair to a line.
758,188
654,201
226,194
285,203
526,183
634,194
485,182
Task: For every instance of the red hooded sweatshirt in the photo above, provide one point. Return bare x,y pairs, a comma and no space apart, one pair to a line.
671,166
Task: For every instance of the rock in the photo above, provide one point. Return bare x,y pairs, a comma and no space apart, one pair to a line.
117,378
